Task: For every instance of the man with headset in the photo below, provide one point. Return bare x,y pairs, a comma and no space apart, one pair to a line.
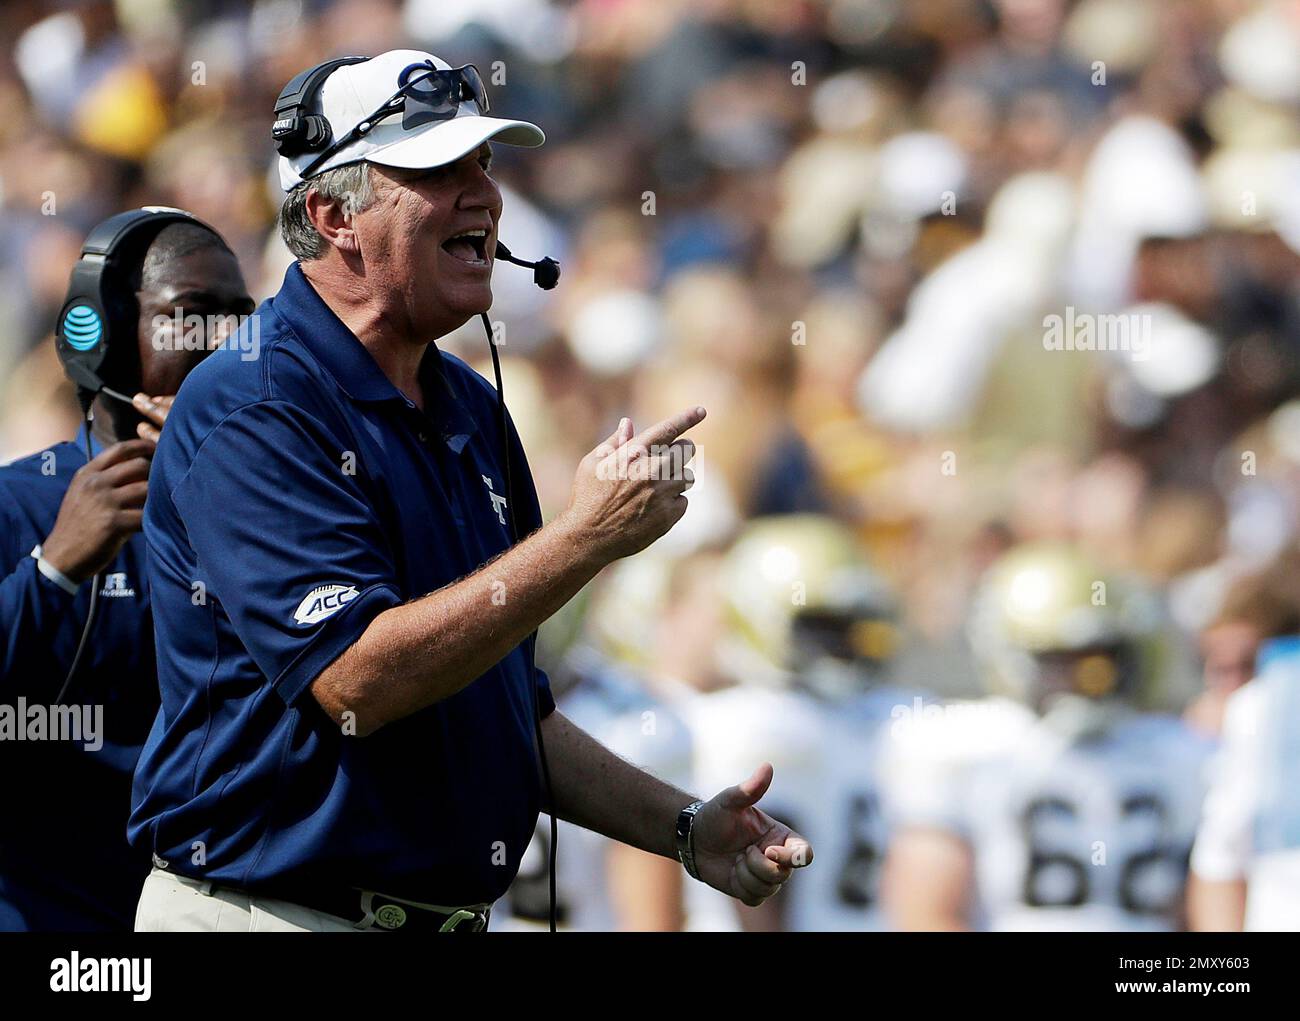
70,548
352,725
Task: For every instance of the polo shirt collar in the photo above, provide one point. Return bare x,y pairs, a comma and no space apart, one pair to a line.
357,373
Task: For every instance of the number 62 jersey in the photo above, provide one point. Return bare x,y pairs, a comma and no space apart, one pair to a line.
1066,833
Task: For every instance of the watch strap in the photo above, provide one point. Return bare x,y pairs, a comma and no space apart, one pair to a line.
686,837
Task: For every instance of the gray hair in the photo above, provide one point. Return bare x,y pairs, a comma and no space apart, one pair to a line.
349,185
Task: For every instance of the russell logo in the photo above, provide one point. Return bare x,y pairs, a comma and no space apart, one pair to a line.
323,601
115,586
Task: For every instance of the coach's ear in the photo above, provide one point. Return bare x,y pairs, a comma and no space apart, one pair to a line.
332,219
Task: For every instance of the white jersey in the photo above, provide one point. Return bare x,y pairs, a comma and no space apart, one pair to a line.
1066,833
1251,826
825,786
614,708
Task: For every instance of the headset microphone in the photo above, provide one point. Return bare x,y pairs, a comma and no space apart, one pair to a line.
546,271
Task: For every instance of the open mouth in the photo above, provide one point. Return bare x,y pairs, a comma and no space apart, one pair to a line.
468,246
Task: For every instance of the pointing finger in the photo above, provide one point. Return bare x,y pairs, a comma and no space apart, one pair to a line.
670,428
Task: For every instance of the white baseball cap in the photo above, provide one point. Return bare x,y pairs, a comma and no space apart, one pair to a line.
354,92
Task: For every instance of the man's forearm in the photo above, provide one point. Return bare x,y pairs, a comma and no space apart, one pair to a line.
599,791
415,655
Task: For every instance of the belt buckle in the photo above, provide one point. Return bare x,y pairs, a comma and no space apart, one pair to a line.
478,921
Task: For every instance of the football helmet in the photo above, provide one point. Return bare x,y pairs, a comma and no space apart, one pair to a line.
1050,626
804,607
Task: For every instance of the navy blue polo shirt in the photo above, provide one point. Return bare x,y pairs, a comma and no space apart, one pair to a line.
64,860
294,497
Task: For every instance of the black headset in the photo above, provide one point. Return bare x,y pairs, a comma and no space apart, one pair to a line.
300,127
99,311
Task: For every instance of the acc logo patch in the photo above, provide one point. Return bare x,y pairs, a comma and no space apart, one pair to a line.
324,601
390,916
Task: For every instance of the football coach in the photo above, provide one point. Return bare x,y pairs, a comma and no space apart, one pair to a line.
346,735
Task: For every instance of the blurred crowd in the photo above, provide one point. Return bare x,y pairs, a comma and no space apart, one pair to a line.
845,227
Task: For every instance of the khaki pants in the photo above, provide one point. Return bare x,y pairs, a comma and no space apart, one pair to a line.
172,903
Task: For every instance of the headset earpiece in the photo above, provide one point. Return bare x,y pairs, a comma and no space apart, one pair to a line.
297,129
94,317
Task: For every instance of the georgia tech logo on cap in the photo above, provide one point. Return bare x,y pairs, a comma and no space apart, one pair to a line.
324,601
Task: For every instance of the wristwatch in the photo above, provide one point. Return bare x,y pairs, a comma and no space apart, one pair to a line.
686,837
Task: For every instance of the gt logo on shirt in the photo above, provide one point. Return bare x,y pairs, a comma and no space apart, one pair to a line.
324,601
498,501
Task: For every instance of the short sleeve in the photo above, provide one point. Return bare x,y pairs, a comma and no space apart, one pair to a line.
286,540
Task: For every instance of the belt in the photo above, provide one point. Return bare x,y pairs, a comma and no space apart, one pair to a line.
367,909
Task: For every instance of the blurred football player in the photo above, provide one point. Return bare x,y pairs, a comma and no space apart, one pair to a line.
1255,608
603,885
810,633
1246,863
1056,803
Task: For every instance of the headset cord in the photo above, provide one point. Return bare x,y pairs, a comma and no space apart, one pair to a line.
94,586
531,641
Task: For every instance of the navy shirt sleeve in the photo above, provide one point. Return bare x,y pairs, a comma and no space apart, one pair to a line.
32,608
286,540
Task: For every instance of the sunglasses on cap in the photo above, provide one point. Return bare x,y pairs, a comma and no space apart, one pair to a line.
425,94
